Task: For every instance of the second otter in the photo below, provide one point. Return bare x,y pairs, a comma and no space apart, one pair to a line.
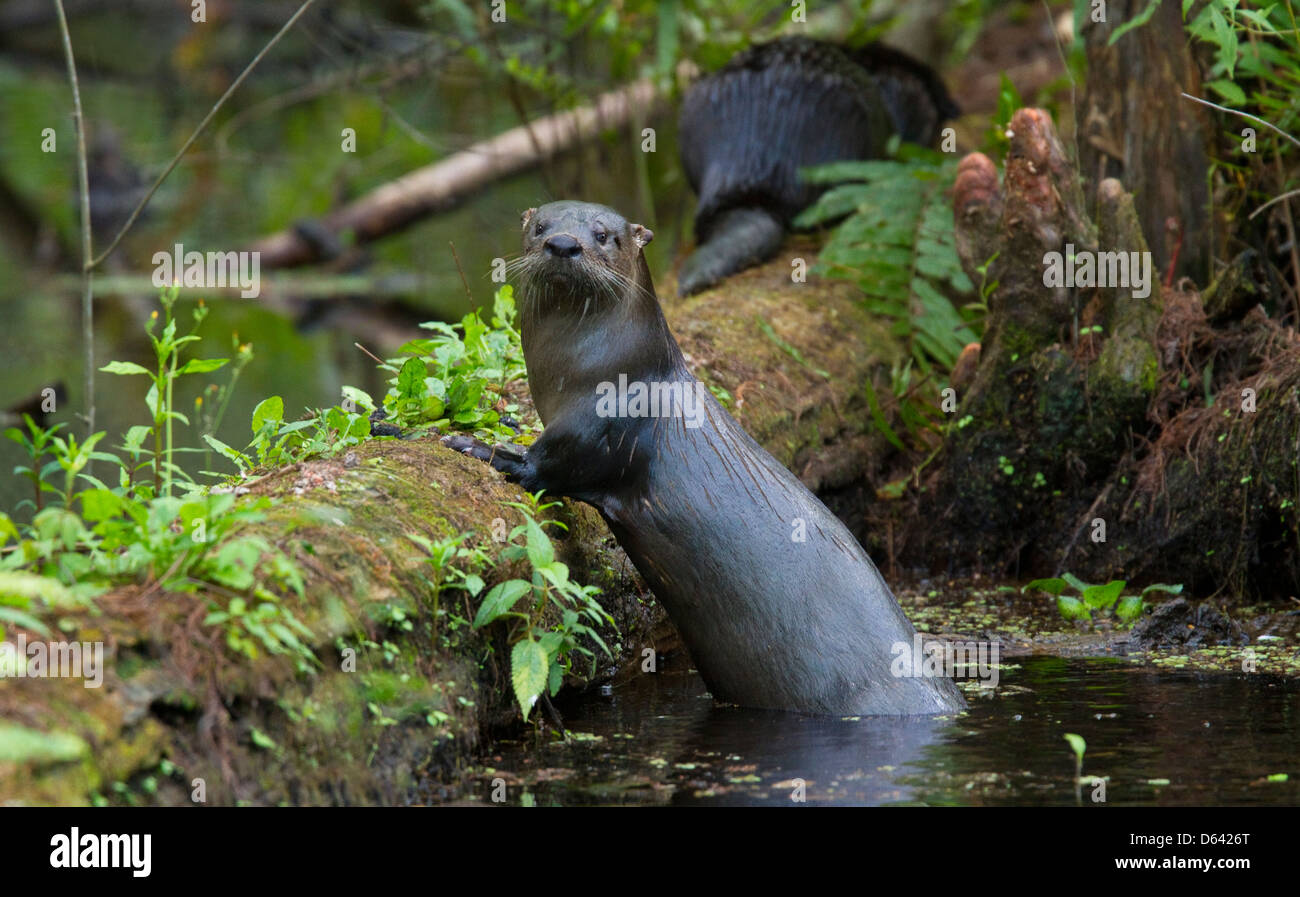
775,108
778,604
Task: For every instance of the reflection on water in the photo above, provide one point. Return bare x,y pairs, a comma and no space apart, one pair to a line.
660,740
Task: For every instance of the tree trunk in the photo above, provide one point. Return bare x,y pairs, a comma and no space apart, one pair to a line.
1135,126
1105,433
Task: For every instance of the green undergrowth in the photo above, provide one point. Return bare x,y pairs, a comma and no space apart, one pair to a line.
1098,599
142,517
541,655
457,378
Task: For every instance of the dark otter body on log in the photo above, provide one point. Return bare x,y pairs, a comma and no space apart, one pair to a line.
746,130
779,605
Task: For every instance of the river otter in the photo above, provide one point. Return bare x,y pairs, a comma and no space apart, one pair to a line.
747,129
778,604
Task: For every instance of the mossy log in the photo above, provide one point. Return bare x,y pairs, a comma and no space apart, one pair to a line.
404,688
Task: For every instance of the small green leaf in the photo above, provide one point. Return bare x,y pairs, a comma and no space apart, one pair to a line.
18,744
202,365
360,398
878,416
135,437
1229,92
540,551
18,587
1136,22
1162,587
240,460
1072,608
16,617
125,367
1075,582
1077,744
270,409
501,599
1052,586
1129,608
1100,597
99,504
528,673
261,739
410,379
556,573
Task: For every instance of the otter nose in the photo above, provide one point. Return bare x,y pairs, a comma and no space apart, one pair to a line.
563,246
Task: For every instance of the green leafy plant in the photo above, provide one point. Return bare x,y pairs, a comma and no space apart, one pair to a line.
453,565
94,535
456,378
37,442
543,648
1253,67
160,399
276,443
1097,598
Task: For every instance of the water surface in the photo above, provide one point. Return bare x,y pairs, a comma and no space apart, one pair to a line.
1215,738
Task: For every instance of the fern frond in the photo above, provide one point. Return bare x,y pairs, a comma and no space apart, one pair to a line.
897,244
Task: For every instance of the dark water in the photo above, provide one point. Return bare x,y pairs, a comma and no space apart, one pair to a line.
1216,738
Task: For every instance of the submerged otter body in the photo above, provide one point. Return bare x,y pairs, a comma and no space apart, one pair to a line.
708,517
746,130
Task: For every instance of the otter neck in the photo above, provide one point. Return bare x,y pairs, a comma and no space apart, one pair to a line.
571,345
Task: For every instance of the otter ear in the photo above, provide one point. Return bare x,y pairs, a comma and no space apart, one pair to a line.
642,235
526,217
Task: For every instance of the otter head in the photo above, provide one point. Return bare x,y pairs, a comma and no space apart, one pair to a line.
587,248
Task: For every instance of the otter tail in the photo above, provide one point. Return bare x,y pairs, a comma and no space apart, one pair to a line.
738,238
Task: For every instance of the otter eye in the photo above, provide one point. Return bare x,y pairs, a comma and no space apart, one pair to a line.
601,236
539,229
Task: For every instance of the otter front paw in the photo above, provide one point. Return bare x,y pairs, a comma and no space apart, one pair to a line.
508,459
468,445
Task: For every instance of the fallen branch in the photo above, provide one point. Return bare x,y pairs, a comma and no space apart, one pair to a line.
446,183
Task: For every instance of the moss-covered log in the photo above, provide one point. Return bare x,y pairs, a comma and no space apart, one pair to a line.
404,688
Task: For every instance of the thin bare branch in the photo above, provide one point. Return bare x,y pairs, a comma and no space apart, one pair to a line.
144,201
1275,199
1254,118
83,187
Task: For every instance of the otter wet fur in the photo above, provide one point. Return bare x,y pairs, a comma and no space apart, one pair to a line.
710,519
746,130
